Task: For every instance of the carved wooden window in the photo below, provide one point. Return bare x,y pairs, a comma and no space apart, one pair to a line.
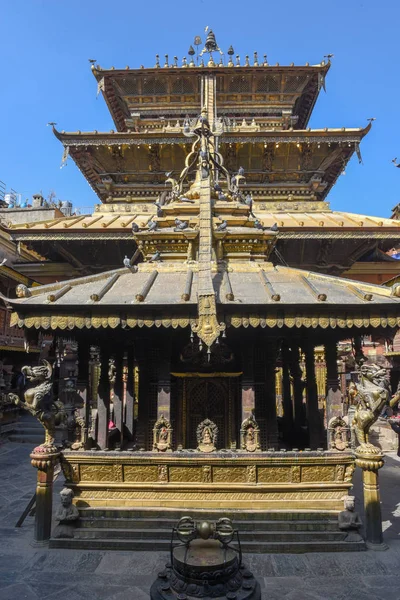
182,85
127,86
240,84
295,83
268,83
153,86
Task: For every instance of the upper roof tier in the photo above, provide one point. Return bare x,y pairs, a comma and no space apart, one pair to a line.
126,167
282,96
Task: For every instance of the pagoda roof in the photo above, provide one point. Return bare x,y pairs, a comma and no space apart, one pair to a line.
256,294
125,160
103,225
293,87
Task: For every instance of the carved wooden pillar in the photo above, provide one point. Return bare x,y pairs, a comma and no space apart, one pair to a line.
248,389
118,397
164,388
298,387
313,417
129,394
333,393
286,392
270,396
83,389
68,374
103,401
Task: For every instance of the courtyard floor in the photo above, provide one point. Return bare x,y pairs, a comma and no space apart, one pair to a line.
28,573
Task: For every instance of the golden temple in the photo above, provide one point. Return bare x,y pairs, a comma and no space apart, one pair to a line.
166,365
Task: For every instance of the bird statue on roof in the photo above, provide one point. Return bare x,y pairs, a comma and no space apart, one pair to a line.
135,227
159,209
396,164
152,225
249,201
217,187
156,256
184,199
180,225
127,262
222,226
221,196
258,224
273,227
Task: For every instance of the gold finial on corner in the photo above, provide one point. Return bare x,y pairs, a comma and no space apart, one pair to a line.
166,65
157,65
201,63
237,60
255,59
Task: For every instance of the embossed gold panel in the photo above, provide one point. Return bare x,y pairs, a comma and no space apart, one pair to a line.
141,473
274,475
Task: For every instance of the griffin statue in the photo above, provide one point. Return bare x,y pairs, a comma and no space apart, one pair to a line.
39,400
371,395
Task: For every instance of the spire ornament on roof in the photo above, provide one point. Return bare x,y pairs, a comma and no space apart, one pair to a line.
211,46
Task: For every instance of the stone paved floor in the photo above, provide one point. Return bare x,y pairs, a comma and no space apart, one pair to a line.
28,573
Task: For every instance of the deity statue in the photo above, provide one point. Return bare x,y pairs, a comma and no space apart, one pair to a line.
39,400
67,515
349,521
338,434
372,395
250,434
207,434
162,435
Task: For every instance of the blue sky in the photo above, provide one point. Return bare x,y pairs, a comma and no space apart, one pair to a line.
46,76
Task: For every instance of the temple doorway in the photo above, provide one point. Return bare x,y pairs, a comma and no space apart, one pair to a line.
207,399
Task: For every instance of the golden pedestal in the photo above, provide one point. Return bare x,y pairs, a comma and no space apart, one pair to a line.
304,481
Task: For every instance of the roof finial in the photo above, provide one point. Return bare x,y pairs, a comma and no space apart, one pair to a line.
184,63
231,52
265,63
237,60
175,61
211,46
247,61
157,65
255,59
166,62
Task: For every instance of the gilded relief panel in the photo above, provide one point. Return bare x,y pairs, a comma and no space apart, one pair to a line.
140,473
274,475
318,473
229,475
97,473
186,474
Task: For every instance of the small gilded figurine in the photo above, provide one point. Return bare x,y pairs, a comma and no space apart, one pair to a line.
349,521
67,515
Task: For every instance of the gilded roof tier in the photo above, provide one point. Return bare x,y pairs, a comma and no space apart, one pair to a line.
289,222
240,285
287,92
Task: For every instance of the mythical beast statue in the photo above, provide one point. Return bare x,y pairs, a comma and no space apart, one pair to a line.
39,400
372,393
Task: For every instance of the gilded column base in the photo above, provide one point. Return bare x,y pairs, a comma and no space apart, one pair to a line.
370,461
44,458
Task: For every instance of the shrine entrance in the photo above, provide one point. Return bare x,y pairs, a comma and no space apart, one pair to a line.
213,398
